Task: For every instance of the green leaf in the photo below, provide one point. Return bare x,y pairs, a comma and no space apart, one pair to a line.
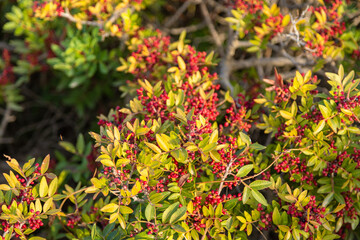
286,114
155,148
45,164
259,197
80,144
125,209
209,147
257,146
178,215
109,208
276,217
169,212
162,143
244,170
68,146
260,184
339,198
149,212
328,199
178,228
319,127
218,211
158,197
4,187
43,188
325,111
53,187
246,194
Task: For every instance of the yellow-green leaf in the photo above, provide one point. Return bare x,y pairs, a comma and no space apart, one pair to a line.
125,210
162,143
286,114
109,208
43,189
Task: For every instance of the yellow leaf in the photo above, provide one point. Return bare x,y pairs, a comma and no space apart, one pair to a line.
111,207
162,143
286,114
43,189
181,63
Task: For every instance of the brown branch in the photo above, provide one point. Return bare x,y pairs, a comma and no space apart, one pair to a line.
275,61
211,27
5,120
192,28
71,18
99,24
180,11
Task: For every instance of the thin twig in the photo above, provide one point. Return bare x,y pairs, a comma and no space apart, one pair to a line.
70,17
99,24
211,27
192,28
180,11
5,120
275,61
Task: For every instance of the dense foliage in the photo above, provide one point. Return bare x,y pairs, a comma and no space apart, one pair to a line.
215,144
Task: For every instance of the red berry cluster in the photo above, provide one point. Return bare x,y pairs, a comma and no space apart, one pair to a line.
7,75
151,60
347,103
33,222
72,220
160,186
349,209
116,177
152,229
331,31
213,199
248,6
236,114
297,169
228,155
265,218
309,212
314,116
149,56
206,108
37,5
332,167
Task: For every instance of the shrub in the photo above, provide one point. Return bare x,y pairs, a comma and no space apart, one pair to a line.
185,158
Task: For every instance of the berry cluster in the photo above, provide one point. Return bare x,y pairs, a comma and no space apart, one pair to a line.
348,103
250,7
297,169
236,114
72,220
350,208
7,75
265,218
333,166
307,213
329,31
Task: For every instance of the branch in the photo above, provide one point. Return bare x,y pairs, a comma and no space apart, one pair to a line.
275,61
225,64
211,27
70,17
5,120
180,11
192,28
99,24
